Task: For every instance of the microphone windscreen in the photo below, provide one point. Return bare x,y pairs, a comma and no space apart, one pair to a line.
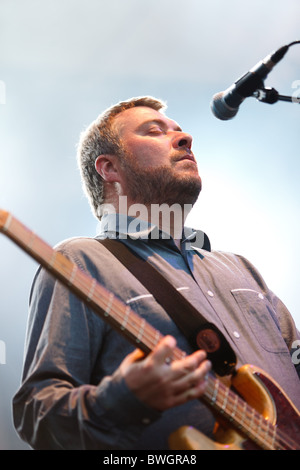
220,109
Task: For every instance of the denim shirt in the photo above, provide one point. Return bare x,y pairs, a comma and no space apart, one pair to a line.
72,395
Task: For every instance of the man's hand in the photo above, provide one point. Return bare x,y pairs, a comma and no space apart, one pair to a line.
162,384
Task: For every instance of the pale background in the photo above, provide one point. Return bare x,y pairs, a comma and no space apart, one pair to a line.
64,61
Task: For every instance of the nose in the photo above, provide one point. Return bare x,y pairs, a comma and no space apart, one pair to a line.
183,140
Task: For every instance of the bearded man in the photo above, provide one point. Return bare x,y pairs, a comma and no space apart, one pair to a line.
84,386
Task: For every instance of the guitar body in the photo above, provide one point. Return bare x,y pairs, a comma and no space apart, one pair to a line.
265,396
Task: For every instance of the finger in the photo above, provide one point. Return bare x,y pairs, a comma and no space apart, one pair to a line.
191,380
135,356
188,364
194,392
191,393
163,352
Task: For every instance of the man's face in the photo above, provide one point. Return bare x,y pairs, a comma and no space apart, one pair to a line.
159,164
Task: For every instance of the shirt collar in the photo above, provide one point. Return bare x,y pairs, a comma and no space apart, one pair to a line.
121,226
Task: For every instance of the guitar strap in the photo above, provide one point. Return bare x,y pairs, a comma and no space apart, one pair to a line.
200,333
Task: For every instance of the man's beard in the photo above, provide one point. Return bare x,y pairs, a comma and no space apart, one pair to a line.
160,185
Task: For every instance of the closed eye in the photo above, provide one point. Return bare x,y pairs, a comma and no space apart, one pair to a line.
156,130
156,126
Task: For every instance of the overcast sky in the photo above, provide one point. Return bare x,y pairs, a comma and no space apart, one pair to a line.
63,61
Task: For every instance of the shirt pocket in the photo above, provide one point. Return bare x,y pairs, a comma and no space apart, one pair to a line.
261,318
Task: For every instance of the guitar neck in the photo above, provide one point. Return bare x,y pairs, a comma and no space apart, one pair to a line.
104,303
135,329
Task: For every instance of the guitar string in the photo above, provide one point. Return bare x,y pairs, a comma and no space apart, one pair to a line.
274,436
84,284
245,416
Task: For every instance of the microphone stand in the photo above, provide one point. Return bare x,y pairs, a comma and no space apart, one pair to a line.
271,96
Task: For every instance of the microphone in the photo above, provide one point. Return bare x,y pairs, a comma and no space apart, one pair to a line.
225,104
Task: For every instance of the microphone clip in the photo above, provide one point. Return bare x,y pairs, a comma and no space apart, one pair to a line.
271,96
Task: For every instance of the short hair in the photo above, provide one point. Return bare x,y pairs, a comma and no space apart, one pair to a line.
101,138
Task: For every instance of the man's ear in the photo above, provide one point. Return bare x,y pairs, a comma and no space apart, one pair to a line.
107,167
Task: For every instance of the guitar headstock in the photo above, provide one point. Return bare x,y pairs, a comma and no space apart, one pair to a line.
3,218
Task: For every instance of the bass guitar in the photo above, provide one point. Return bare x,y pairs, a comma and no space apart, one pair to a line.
252,413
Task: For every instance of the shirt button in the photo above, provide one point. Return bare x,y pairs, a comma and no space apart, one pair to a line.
261,296
236,334
210,293
146,421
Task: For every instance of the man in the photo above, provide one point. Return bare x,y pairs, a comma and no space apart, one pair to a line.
84,386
